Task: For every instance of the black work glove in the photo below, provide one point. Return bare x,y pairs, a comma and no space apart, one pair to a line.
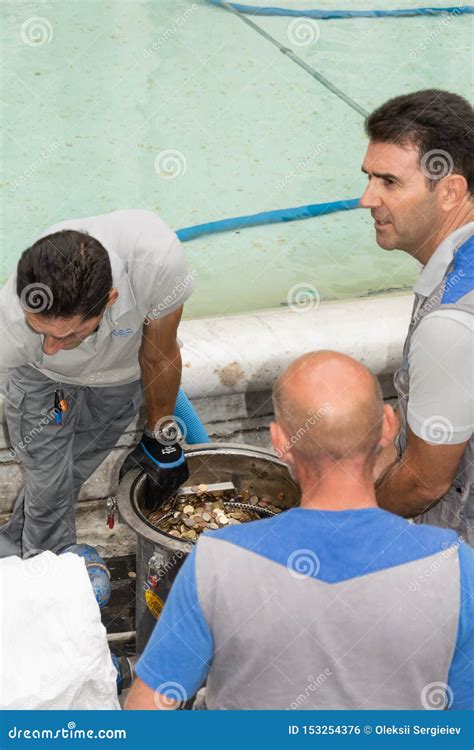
165,465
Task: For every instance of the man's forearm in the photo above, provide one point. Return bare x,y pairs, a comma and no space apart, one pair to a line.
401,491
161,376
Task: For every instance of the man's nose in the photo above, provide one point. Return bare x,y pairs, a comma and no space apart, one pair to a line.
51,345
370,199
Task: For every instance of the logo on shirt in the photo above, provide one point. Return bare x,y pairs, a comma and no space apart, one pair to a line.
122,332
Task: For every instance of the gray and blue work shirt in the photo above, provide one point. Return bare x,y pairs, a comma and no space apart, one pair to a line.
435,382
354,609
151,274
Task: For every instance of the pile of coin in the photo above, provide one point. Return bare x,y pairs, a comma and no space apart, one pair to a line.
186,516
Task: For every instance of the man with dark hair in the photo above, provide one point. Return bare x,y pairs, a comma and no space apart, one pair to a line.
89,323
420,167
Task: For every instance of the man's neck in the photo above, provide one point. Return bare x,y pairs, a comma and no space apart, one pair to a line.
464,216
343,489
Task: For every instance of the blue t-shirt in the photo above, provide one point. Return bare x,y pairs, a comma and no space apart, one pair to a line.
353,568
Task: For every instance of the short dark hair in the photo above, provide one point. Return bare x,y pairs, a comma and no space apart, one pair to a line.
65,274
434,121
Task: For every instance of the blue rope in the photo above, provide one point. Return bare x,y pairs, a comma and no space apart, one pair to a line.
328,14
266,217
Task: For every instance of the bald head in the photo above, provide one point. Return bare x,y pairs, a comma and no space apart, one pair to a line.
330,408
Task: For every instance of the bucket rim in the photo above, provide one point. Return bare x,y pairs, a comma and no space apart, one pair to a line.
131,516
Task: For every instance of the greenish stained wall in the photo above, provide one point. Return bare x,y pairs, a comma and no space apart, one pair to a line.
95,92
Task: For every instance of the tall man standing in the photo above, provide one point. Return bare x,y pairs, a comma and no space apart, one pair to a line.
89,323
420,167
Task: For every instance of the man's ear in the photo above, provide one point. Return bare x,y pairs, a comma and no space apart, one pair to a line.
113,296
280,442
390,426
453,191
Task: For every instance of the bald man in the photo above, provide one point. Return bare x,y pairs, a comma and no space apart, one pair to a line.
336,604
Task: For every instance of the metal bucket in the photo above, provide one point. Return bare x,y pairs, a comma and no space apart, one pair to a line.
159,555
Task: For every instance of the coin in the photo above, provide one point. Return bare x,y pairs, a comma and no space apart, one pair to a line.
202,488
186,520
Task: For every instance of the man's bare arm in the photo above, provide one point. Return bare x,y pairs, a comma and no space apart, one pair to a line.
422,476
160,364
144,698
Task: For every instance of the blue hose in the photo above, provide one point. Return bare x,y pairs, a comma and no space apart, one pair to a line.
331,14
266,217
185,413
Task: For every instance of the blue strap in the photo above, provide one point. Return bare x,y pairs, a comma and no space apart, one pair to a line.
328,14
461,279
170,465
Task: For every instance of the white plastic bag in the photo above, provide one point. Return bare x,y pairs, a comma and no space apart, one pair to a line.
53,646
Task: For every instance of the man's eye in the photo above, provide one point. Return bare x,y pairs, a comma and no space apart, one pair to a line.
387,181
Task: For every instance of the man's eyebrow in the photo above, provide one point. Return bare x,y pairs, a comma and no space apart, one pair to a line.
382,175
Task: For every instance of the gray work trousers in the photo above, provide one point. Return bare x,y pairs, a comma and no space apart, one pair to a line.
57,459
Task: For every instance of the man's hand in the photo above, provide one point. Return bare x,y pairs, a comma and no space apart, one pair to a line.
164,463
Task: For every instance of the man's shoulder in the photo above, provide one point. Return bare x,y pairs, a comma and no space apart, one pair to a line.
123,230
